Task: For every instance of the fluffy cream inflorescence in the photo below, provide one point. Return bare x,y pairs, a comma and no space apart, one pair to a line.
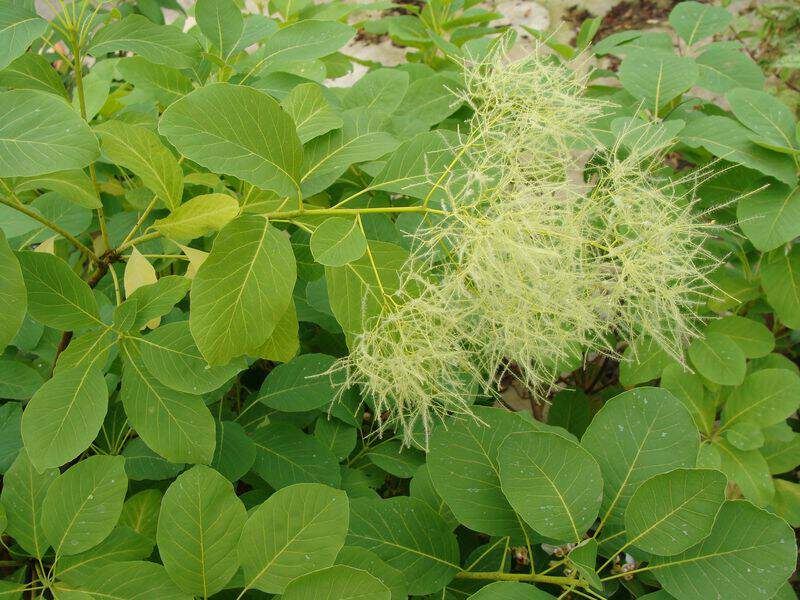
531,263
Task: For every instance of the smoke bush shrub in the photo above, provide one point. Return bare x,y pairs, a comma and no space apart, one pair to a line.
473,326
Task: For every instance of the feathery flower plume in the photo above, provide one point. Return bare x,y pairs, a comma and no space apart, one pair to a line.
656,265
531,262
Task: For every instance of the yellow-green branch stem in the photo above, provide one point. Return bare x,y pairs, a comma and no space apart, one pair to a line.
522,577
307,212
78,67
321,212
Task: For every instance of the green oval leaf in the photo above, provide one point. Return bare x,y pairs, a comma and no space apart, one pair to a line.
552,482
463,461
406,534
64,416
338,582
12,294
749,554
83,505
299,529
636,435
300,384
199,216
41,133
199,526
242,289
57,297
718,358
238,131
672,511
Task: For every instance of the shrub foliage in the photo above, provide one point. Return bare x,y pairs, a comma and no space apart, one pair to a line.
263,334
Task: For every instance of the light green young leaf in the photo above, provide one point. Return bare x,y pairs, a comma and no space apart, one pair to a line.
284,342
745,435
40,133
242,289
410,537
584,559
197,217
56,208
782,455
781,281
83,505
336,436
237,131
221,22
395,459
199,526
694,21
718,358
463,462
652,433
552,483
673,511
140,150
160,44
765,398
10,436
19,27
642,361
420,166
657,77
285,456
157,299
765,115
338,241
176,425
749,555
96,88
64,416
786,504
299,529
311,112
13,295
165,84
24,491
171,356
57,297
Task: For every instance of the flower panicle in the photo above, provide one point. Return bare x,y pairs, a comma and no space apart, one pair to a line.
533,263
